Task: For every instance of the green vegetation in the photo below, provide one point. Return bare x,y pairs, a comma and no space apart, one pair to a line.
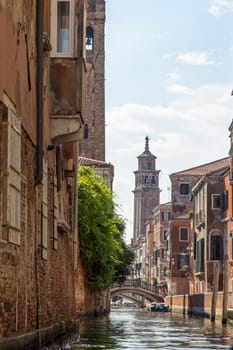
125,257
102,246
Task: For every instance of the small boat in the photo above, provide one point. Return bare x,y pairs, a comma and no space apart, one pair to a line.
158,307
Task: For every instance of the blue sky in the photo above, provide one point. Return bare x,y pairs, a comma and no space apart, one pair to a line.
169,75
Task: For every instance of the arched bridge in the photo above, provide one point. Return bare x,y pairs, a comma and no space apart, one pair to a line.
137,287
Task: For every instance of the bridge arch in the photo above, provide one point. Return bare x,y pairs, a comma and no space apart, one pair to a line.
140,303
149,295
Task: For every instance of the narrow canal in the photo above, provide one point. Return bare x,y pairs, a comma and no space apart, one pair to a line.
139,329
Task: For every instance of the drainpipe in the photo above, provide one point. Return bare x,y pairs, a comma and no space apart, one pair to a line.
39,89
75,212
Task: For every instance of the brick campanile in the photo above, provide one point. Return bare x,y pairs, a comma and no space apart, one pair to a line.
93,143
146,191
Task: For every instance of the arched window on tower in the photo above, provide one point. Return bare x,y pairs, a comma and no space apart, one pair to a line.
146,179
89,38
153,180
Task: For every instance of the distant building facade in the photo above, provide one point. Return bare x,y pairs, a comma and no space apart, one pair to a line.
210,200
103,169
181,231
161,218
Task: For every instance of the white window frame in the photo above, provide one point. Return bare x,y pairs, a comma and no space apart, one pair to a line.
184,240
53,35
184,183
165,216
213,201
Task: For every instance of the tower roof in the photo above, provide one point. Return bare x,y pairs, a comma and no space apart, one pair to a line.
147,152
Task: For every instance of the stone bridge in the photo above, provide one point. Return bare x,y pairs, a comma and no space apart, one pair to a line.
137,287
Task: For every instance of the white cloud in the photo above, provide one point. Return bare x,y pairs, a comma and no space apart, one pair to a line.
189,131
173,76
220,7
180,89
195,58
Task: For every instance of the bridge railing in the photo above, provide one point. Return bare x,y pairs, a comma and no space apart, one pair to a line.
137,283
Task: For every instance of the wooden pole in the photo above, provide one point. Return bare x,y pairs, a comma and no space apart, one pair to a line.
215,292
225,290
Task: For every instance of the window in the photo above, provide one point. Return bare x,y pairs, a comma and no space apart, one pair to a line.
184,189
216,202
224,201
156,218
153,180
11,171
62,28
89,38
182,259
146,180
195,246
200,255
85,131
164,253
216,246
165,233
184,236
52,208
166,215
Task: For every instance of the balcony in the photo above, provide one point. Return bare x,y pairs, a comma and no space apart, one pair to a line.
65,128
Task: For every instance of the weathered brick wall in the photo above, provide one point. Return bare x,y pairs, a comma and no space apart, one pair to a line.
88,302
94,146
34,293
197,304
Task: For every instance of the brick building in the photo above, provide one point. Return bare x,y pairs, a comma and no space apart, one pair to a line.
180,233
42,109
161,217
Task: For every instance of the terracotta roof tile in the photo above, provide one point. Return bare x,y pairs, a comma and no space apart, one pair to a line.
93,162
205,168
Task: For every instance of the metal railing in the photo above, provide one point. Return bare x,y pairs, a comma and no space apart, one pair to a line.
137,283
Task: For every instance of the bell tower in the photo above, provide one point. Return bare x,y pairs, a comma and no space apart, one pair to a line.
93,143
146,191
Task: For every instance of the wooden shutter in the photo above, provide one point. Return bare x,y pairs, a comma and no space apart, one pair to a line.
11,196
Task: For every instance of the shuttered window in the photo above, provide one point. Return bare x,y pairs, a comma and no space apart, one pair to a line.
216,247
200,255
53,209
184,234
11,170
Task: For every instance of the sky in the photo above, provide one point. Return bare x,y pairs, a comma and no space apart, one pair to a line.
169,76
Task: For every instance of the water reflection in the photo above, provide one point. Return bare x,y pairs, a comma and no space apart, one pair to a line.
138,329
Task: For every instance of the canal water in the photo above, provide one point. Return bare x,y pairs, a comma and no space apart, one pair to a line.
138,329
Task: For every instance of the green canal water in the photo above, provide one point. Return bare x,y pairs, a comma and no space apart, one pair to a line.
139,329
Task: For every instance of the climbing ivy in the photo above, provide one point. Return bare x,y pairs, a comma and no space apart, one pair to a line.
99,233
